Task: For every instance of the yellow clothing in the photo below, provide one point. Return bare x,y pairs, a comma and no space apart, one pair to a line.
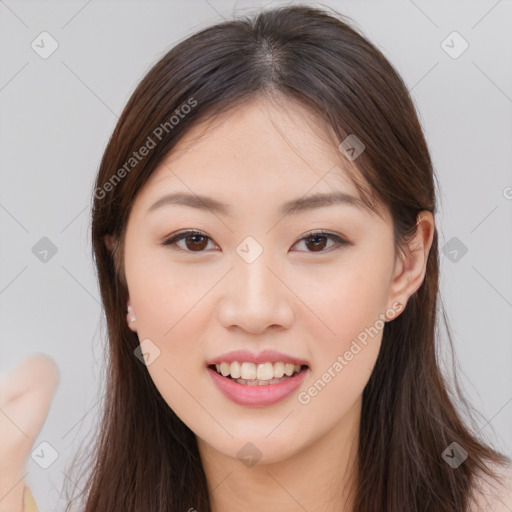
29,502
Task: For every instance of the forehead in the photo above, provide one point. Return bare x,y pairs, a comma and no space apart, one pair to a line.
259,149
255,158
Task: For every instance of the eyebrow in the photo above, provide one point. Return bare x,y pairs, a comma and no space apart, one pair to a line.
293,207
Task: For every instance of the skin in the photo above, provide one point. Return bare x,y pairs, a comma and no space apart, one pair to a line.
196,305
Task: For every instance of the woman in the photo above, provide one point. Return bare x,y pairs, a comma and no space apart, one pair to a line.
263,229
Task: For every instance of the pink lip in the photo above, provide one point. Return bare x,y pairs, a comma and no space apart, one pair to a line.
270,356
257,396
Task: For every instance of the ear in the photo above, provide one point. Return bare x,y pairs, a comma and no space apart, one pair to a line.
410,267
130,317
110,242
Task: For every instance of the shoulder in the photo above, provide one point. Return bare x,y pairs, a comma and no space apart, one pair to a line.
492,495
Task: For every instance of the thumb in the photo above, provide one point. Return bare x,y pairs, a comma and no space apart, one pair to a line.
27,391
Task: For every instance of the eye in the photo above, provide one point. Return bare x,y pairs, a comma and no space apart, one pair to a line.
317,240
196,241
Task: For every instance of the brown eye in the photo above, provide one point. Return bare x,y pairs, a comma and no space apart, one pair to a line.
194,241
317,241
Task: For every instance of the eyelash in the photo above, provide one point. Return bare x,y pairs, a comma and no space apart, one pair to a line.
312,234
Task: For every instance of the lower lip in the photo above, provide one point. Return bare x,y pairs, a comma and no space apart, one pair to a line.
257,396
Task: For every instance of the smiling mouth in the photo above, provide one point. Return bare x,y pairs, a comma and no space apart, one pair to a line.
268,380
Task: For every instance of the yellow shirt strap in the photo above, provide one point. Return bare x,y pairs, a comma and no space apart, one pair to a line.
29,502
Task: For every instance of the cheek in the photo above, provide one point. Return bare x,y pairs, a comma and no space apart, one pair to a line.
346,299
351,307
168,306
334,391
179,370
161,293
343,363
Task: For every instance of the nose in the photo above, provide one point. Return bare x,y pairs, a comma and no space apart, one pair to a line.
255,298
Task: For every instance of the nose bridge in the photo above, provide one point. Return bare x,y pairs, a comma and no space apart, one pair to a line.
255,298
252,262
256,283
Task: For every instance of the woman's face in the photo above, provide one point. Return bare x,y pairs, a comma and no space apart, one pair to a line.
257,279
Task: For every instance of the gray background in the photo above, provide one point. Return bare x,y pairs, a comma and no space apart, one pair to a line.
58,113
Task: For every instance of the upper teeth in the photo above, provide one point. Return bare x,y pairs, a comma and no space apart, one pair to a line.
261,371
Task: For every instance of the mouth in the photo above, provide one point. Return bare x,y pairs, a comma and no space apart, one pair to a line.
262,374
257,385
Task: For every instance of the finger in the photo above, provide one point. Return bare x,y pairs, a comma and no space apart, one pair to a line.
30,388
38,373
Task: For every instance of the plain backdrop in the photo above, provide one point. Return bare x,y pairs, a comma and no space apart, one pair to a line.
58,112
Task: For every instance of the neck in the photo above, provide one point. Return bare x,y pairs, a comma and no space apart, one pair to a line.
319,477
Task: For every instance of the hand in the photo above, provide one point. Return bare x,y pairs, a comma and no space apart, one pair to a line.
25,397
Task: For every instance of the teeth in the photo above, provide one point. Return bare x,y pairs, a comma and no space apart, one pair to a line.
261,372
288,369
265,371
224,369
248,371
278,370
235,370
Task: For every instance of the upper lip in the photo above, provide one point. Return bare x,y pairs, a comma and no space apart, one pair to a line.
271,356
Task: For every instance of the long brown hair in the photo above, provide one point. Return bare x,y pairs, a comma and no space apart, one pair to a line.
145,458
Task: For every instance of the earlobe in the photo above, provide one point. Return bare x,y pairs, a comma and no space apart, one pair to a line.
110,242
412,265
130,317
